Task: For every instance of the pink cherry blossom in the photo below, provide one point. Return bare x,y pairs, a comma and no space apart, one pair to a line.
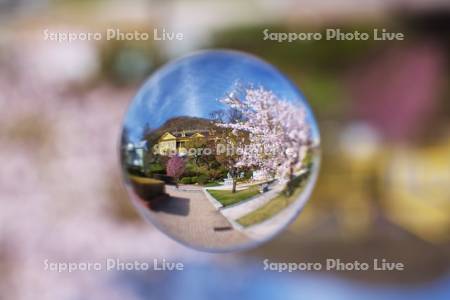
278,132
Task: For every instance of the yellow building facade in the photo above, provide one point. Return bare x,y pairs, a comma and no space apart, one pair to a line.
175,143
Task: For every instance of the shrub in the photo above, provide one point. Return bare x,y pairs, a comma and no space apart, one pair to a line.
194,179
190,170
201,170
223,172
147,188
248,175
135,171
186,180
166,179
215,174
154,168
203,179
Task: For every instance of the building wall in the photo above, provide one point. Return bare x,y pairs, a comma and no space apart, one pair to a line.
166,147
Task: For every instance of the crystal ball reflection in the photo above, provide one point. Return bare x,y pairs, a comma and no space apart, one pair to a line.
219,150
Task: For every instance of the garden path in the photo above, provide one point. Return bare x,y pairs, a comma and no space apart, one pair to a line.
187,215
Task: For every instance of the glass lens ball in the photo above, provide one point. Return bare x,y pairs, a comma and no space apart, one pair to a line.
219,150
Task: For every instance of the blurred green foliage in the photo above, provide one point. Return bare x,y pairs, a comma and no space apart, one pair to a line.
316,66
127,62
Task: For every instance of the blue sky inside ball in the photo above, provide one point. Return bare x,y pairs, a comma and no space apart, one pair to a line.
192,86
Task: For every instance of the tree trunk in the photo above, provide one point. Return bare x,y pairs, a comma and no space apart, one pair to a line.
234,185
290,187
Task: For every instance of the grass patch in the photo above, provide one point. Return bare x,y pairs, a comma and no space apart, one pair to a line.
271,208
226,197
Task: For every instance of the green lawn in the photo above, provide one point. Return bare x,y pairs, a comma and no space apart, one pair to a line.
226,197
271,208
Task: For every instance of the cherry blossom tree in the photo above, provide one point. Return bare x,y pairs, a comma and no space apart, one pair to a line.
175,167
278,134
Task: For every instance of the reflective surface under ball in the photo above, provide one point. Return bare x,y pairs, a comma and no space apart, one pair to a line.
219,150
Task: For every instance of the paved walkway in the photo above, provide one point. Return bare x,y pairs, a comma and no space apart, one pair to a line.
188,216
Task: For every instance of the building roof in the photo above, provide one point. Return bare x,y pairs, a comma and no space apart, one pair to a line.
185,133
